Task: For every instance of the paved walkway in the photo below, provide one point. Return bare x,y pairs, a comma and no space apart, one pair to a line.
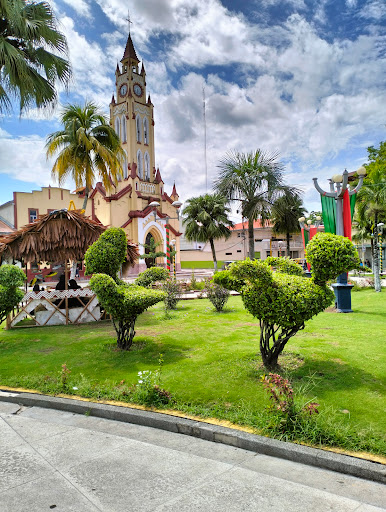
58,460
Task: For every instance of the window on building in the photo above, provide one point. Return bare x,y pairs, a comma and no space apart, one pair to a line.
32,214
238,250
228,254
117,126
258,239
124,136
125,168
140,164
147,166
145,131
138,127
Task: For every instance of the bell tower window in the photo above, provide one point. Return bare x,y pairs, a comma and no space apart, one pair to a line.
117,126
147,166
145,131
140,164
124,135
125,168
138,128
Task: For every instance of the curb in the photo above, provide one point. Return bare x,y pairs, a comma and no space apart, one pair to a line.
252,442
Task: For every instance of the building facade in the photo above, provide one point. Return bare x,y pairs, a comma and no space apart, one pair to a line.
236,246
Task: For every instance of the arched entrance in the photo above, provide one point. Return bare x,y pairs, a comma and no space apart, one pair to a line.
153,244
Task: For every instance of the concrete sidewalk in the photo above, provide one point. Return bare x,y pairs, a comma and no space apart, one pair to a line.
61,460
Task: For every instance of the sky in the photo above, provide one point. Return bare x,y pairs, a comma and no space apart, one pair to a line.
301,78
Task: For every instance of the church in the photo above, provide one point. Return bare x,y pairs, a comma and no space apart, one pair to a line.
138,203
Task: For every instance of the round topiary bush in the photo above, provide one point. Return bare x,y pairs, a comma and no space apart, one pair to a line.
106,255
152,275
330,255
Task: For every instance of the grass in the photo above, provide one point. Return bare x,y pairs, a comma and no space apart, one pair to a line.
200,264
212,366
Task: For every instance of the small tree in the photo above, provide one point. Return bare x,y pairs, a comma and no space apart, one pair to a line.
152,275
152,253
11,277
106,255
206,220
125,303
284,302
217,294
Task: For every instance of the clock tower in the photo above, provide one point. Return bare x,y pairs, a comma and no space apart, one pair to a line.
138,202
131,114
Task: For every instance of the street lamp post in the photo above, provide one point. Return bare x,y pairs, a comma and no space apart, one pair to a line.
340,192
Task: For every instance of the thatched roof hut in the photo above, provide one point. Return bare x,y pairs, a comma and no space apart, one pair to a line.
60,235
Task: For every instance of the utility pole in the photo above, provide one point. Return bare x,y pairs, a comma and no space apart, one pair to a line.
206,164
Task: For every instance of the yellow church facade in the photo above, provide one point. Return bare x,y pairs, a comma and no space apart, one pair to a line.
138,202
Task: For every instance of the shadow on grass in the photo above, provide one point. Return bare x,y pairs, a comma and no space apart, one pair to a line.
145,350
335,375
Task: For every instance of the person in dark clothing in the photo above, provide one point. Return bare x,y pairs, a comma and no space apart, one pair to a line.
36,288
73,285
61,284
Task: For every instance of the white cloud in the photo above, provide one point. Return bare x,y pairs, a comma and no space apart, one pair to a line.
81,7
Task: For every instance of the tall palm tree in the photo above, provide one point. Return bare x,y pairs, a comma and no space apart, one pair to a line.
88,148
285,213
255,180
371,206
206,219
30,54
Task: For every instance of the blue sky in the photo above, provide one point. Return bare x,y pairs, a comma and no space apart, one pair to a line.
305,78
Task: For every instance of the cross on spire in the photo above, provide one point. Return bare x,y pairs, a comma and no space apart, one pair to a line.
128,19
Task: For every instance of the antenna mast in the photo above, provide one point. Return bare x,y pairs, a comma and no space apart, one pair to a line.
206,164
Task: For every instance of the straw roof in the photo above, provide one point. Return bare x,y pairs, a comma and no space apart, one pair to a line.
56,236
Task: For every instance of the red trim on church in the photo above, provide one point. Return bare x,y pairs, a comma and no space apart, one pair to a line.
118,195
140,214
165,197
98,188
176,233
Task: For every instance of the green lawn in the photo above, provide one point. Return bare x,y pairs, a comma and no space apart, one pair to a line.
211,361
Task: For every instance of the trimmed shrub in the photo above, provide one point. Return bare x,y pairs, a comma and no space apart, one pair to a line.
281,302
11,277
284,265
106,255
125,303
152,275
173,293
217,294
329,256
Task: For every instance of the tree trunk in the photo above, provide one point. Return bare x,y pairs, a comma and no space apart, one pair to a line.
86,193
251,239
213,254
125,333
377,277
288,245
273,340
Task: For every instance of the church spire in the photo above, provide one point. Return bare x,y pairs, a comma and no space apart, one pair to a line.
130,51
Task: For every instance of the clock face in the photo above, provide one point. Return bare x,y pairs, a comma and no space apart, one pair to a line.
123,90
137,90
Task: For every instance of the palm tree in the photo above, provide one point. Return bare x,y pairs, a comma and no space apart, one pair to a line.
371,207
30,49
88,147
206,219
285,213
255,180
